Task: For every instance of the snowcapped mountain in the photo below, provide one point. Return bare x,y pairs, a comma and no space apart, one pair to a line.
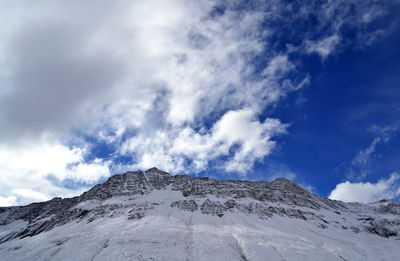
152,215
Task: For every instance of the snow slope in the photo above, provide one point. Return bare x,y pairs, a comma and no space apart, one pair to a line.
155,216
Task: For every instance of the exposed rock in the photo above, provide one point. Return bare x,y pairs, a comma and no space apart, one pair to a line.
212,197
212,207
188,205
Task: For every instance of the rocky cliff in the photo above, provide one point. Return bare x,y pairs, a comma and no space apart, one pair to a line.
139,196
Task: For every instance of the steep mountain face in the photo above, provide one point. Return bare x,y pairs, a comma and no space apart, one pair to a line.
152,215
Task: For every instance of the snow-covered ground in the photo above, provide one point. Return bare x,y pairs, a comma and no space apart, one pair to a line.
178,235
149,226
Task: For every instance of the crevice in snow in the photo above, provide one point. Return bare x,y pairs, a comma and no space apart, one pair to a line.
242,249
105,245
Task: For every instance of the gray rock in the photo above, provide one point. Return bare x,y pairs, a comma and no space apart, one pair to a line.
187,205
262,199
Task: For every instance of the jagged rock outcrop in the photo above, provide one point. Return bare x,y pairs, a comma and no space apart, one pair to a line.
188,205
206,196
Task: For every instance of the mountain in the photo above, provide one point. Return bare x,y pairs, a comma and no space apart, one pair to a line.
152,215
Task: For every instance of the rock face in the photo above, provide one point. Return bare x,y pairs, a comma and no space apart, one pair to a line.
135,195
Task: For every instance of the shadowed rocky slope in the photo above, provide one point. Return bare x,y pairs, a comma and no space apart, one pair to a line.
135,195
210,196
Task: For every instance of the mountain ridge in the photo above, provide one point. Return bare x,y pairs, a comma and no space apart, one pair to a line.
137,196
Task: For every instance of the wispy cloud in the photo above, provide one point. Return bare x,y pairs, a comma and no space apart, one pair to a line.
363,156
357,189
323,47
172,83
361,163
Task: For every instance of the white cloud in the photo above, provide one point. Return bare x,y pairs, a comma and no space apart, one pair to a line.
53,158
8,201
25,170
164,80
106,69
323,47
29,194
363,156
361,163
254,138
367,192
371,14
241,128
278,66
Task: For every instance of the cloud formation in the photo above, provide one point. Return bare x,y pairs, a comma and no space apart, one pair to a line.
367,192
363,156
360,165
30,171
238,136
179,84
323,47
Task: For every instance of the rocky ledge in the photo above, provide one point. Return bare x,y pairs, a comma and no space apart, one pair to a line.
130,194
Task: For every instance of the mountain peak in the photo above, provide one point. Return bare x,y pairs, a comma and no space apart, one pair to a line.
153,169
282,182
155,200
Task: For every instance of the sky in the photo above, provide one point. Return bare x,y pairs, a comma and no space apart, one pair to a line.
250,90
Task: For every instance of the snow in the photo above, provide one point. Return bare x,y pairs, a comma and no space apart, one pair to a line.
167,233
198,237
145,226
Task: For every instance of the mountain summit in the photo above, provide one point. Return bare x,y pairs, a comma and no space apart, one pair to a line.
152,215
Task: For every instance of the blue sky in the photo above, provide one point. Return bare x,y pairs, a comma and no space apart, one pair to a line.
252,90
